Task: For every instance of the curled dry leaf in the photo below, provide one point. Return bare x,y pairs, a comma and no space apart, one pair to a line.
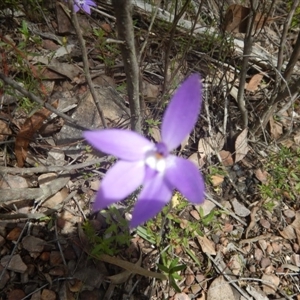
27,131
206,245
254,82
275,129
241,145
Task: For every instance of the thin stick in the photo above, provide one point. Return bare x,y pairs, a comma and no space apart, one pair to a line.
45,169
123,13
86,63
38,100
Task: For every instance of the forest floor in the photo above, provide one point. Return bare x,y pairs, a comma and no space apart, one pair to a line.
242,243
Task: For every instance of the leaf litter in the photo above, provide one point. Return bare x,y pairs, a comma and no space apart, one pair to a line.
265,251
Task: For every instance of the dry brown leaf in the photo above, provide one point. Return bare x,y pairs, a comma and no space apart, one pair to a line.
150,92
217,180
275,129
236,264
4,130
194,213
296,222
210,145
181,296
226,157
297,138
288,232
237,16
220,289
254,82
194,158
262,176
206,245
27,131
271,283
241,145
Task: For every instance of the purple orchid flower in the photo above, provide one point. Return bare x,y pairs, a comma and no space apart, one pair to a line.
84,5
151,165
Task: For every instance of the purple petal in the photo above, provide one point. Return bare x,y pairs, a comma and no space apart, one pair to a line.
86,8
120,181
183,175
76,8
90,3
182,112
125,144
154,196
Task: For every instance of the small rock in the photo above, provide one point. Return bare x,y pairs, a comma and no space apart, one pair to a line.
15,264
258,254
3,229
252,269
55,258
89,295
14,234
276,247
57,271
265,223
4,279
56,199
36,296
196,288
265,262
46,179
48,295
207,207
33,244
2,241
200,278
16,182
289,213
45,256
189,279
240,209
16,295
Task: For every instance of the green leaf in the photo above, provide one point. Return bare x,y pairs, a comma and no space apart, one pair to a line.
174,285
163,268
177,268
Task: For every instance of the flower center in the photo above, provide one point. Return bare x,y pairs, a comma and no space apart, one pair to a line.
156,159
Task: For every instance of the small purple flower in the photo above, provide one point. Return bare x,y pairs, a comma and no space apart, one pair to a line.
84,5
151,165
